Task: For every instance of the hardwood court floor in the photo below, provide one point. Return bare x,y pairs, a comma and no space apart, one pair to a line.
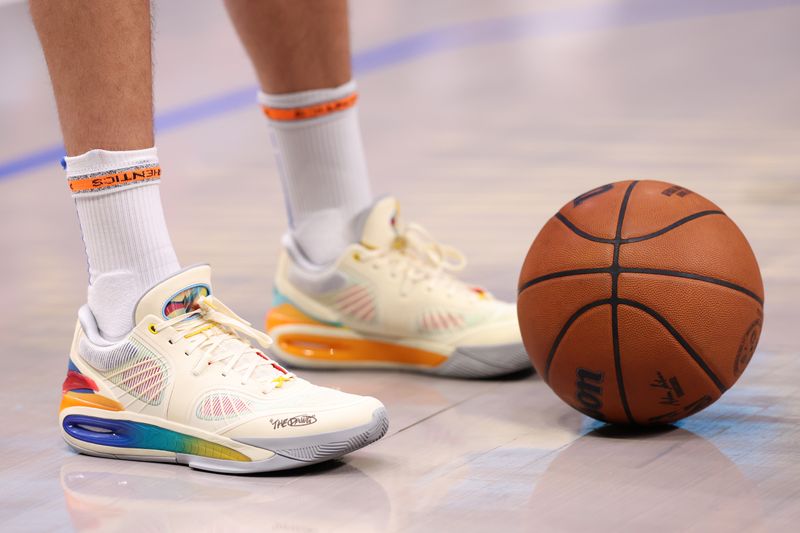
483,117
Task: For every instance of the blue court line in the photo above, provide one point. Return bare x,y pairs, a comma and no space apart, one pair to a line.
558,22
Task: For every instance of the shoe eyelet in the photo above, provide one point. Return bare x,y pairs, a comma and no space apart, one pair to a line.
152,328
356,256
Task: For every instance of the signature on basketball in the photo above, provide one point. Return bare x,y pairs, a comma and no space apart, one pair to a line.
299,420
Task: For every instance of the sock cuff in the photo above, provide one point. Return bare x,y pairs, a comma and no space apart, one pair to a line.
305,105
103,171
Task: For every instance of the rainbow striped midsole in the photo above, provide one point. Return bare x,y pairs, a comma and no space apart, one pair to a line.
117,433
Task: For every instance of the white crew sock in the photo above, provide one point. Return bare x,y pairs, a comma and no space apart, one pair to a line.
122,221
317,143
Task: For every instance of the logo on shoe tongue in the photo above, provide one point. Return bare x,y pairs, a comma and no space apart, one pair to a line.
185,300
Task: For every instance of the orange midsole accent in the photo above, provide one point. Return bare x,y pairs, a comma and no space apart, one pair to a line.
312,111
126,177
96,401
286,313
335,348
330,348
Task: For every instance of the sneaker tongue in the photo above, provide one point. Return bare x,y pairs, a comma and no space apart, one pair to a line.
176,294
382,224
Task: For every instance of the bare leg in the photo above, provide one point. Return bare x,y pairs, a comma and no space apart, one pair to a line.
98,55
301,54
294,45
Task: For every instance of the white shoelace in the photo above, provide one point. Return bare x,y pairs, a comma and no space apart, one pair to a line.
416,256
215,330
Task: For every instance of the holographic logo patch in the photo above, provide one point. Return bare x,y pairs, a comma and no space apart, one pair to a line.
184,301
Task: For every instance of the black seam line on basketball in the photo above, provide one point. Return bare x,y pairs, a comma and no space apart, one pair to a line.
677,336
697,277
614,298
672,226
577,314
622,209
563,274
579,232
618,238
594,238
618,360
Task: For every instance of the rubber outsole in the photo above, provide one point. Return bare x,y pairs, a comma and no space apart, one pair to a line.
317,448
490,361
289,453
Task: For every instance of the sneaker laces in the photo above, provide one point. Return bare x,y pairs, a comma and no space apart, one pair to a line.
416,256
215,330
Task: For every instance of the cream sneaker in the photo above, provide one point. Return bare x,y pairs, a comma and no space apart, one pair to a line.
187,387
391,301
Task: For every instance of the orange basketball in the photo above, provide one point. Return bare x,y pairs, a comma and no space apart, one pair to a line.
640,302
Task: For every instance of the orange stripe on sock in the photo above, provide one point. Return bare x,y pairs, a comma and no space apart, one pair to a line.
312,111
126,177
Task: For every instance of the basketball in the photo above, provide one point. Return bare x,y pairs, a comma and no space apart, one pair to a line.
640,302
